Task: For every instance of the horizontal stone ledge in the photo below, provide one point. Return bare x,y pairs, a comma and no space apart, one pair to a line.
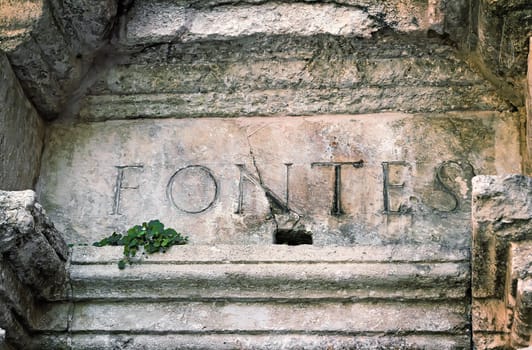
229,317
278,73
227,253
344,281
291,102
248,341
160,22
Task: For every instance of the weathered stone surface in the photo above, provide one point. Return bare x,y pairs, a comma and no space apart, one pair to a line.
3,345
97,178
522,322
16,335
502,213
164,21
253,317
502,216
21,134
13,294
221,18
273,272
519,264
263,342
262,297
283,74
16,20
33,247
52,44
501,30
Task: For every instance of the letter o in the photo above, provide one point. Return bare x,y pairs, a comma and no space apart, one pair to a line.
192,189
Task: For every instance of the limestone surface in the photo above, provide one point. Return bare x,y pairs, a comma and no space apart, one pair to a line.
263,297
60,48
347,180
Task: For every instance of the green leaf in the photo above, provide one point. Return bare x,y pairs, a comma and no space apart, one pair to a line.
152,236
122,264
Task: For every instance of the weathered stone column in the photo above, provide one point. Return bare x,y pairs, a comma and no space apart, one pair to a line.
501,265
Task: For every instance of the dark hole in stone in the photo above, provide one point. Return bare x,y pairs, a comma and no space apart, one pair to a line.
293,237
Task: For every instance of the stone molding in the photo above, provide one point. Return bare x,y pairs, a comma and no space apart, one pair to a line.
501,264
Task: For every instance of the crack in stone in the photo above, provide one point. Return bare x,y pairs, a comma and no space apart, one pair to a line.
288,219
259,175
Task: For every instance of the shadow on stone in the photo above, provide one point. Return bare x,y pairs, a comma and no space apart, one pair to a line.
293,237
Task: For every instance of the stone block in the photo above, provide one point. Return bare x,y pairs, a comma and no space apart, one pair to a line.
235,253
164,21
221,316
338,180
501,264
501,214
289,75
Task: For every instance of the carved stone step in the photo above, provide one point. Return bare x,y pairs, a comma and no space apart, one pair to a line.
253,341
262,297
208,325
271,272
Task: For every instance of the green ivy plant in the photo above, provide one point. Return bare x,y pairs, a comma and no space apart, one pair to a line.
151,236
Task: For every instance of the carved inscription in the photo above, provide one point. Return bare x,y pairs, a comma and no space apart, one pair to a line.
192,189
275,199
388,185
454,178
337,209
122,183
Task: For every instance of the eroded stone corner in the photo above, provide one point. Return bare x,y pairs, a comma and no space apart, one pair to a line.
33,266
501,261
32,246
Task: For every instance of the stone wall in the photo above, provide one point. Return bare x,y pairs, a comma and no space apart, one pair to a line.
358,123
21,133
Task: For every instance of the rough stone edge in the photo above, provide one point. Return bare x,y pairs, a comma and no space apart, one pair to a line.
522,322
528,94
271,342
31,245
501,214
33,261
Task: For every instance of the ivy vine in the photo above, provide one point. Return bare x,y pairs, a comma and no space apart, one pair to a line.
151,236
